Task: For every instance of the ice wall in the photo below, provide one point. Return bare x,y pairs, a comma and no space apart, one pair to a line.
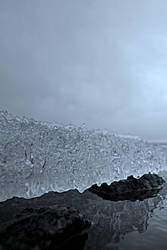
36,157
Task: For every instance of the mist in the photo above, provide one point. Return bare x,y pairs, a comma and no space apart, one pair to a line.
101,63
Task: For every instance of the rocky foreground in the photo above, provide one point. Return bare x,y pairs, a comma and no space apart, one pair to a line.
45,228
131,189
73,220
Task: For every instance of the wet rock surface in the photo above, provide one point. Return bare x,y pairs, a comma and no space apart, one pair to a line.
45,229
131,189
73,220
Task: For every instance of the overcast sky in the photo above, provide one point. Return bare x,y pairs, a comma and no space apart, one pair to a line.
98,62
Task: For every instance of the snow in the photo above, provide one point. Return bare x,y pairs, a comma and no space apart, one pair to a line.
37,157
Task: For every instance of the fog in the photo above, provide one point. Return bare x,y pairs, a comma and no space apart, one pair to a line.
101,63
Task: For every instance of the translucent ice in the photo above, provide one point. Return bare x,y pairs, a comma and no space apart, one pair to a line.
36,157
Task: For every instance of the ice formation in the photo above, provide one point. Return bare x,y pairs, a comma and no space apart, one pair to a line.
37,157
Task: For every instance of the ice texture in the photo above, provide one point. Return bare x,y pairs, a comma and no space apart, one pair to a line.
37,157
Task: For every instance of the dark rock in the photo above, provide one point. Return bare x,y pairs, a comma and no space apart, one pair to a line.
131,189
45,229
110,220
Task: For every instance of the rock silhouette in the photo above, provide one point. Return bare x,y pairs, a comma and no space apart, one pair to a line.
73,220
131,189
45,229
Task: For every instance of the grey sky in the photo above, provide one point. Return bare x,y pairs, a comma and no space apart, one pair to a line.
98,62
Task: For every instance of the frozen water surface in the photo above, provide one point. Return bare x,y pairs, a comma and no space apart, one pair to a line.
37,157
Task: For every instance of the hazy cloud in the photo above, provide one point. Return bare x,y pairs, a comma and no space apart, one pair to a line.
102,63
